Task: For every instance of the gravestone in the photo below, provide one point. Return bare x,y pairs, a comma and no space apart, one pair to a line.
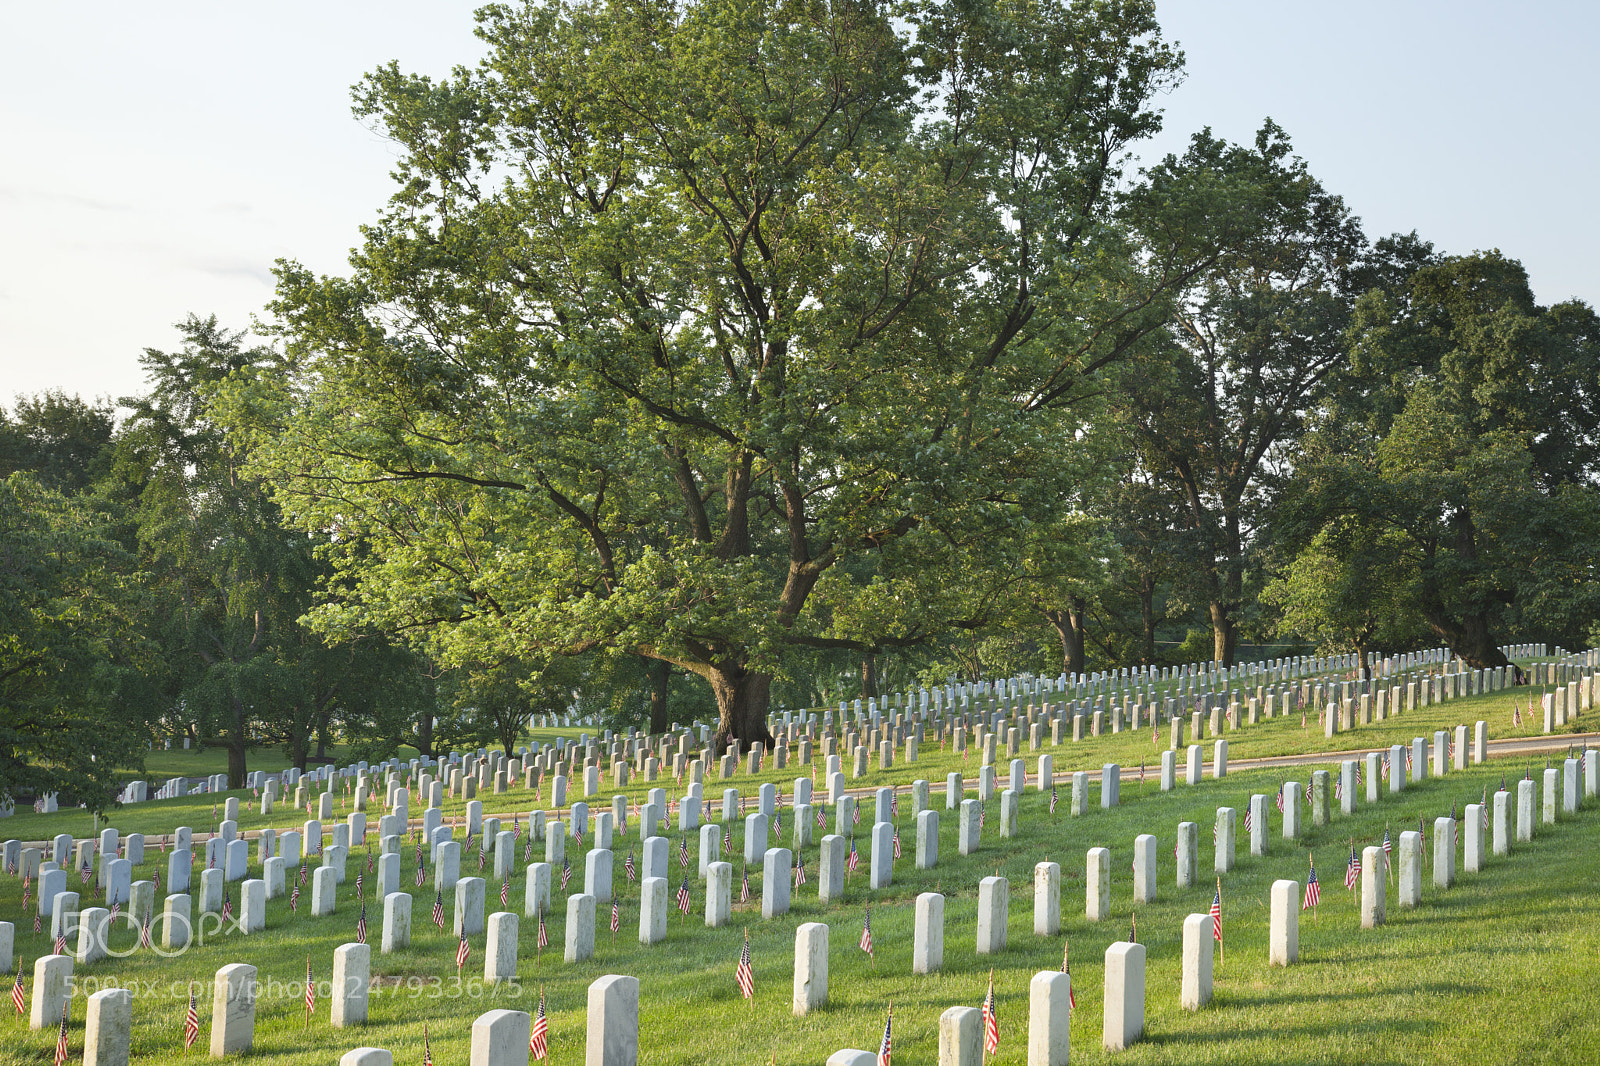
810,968
1097,884
1198,957
1123,1018
1374,878
1144,868
233,1009
1283,930
994,902
396,922
927,945
613,1022
352,973
1049,1018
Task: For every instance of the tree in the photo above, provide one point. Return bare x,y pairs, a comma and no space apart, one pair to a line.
709,332
68,651
1471,452
229,581
64,442
1252,343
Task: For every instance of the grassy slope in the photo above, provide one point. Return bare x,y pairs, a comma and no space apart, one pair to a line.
1491,971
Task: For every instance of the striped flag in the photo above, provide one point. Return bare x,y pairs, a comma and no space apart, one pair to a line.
897,841
884,1044
1485,806
427,1048
294,900
544,935
1248,820
683,894
628,866
191,1023
85,873
616,914
1052,799
527,849
438,909
1313,890
422,875
505,891
227,904
360,893
1216,913
865,943
799,870
19,999
463,951
566,872
61,1040
361,926
539,1035
311,990
144,935
61,943
1352,869
683,852
853,860
991,1023
1280,800
744,888
1387,847
742,973
1066,968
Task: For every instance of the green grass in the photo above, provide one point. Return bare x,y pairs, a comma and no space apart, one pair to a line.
1491,971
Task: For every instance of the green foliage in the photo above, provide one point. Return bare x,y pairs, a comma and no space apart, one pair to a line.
716,332
68,650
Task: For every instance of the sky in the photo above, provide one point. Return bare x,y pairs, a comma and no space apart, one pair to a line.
159,157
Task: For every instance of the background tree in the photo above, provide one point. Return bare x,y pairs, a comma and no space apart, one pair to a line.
1210,403
780,318
69,649
1471,441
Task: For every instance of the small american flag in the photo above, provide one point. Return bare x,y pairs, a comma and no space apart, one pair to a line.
18,997
1313,890
616,914
1352,869
865,943
303,871
1387,847
1386,767
884,1044
294,900
1280,800
361,926
427,1049
1216,914
683,896
799,870
438,909
191,1024
311,990
527,849
1485,806
463,951
359,893
991,1023
144,935
505,891
87,873
627,864
1052,799
742,973
853,860
1066,968
683,852
516,827
61,943
116,910
744,887
1248,821
539,1035
422,875
897,841
566,872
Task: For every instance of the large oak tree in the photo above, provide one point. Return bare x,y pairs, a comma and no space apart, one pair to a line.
709,331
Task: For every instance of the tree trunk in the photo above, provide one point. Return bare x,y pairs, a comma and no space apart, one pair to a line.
236,747
425,733
1361,660
742,699
659,674
1147,614
869,676
1224,634
1077,617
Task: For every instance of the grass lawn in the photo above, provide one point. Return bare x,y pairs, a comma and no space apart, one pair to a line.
1494,970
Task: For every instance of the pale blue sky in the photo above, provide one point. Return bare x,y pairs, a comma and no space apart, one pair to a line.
158,156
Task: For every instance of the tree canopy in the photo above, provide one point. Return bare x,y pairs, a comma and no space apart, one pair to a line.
710,331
